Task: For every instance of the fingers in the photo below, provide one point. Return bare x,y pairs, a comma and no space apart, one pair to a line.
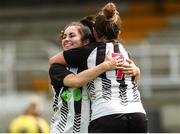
119,62
112,62
129,61
128,67
129,73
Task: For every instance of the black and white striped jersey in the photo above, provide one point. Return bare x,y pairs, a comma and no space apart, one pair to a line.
71,108
112,92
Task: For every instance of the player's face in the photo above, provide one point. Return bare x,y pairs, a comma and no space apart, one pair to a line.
71,38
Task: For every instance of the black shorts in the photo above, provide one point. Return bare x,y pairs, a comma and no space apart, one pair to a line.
120,123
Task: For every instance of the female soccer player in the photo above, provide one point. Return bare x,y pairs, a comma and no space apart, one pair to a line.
71,105
115,101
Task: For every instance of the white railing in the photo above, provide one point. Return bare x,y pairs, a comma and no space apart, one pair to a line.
7,59
13,60
147,56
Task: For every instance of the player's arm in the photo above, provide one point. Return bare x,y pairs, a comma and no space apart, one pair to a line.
77,57
73,57
58,58
82,78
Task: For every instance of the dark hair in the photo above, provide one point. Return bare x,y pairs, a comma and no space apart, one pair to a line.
83,30
89,22
108,22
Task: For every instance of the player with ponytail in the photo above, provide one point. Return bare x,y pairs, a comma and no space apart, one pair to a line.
115,99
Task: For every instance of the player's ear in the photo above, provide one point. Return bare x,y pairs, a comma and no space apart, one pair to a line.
61,34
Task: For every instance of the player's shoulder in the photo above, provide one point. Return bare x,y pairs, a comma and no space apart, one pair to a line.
55,68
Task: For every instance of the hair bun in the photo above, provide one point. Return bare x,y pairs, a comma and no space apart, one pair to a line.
109,10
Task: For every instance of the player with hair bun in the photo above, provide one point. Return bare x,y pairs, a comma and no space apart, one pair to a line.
115,99
71,108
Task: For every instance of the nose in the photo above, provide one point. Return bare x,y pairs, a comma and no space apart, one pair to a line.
66,38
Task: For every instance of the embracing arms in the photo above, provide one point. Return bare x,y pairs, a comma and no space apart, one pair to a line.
80,79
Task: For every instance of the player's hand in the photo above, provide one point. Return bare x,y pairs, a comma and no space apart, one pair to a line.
112,63
129,68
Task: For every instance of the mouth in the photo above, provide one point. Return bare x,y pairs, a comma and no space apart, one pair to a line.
68,44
